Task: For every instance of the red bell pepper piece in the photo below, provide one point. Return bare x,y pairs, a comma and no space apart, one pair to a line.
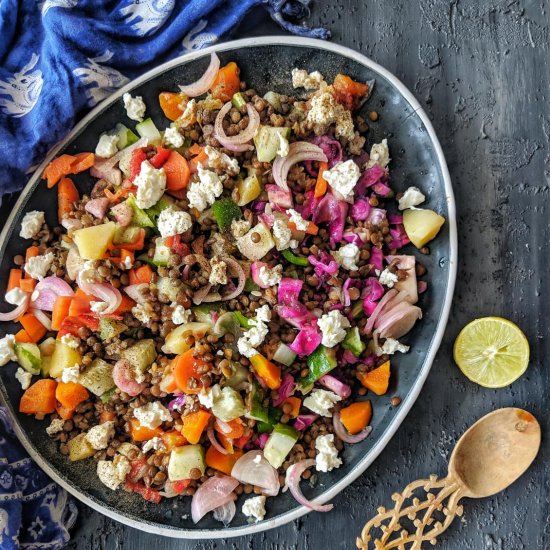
161,157
138,156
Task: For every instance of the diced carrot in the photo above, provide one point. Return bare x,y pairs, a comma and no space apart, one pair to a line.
295,403
199,156
39,398
170,104
125,305
348,92
71,394
61,309
185,367
219,461
82,162
138,275
194,424
35,329
59,167
177,172
64,412
106,416
28,285
267,371
168,383
120,193
196,149
126,256
80,304
237,429
356,416
173,439
321,185
311,229
142,433
377,380
67,195
14,279
227,82
23,337
226,443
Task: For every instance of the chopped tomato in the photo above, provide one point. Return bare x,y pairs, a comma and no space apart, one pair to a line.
137,467
147,493
160,157
348,92
177,247
138,156
70,325
170,104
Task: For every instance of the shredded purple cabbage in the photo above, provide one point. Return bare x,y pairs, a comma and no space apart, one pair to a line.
307,340
331,147
278,197
324,265
373,292
369,177
285,389
360,210
262,440
395,219
337,386
258,206
309,206
382,189
399,237
303,421
376,258
345,291
348,358
376,216
289,291
333,211
177,403
354,238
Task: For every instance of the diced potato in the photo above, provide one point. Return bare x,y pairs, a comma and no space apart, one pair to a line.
422,225
256,249
92,242
141,354
47,347
183,460
98,377
175,340
63,356
248,189
79,448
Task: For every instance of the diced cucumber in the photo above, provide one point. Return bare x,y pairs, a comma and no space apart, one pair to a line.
238,100
28,356
225,211
164,203
169,287
227,322
142,354
47,347
239,376
228,405
147,129
243,321
185,459
274,415
257,411
274,99
162,253
125,235
98,377
125,136
139,216
353,342
203,313
280,443
319,363
250,285
109,328
267,142
108,395
283,354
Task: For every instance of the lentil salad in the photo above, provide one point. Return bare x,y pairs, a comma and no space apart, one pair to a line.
237,299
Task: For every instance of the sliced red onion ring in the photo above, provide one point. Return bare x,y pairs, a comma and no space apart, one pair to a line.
235,270
257,471
47,291
293,476
297,152
177,403
43,318
406,263
237,143
124,380
378,309
135,292
225,513
398,321
200,295
344,435
214,442
103,291
203,84
15,313
213,493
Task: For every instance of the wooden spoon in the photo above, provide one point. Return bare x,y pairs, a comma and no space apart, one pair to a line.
488,458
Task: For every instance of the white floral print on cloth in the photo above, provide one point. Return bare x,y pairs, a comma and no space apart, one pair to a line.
34,511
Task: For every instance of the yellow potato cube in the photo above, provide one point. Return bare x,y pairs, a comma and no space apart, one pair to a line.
422,225
92,242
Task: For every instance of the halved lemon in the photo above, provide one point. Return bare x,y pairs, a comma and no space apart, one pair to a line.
492,351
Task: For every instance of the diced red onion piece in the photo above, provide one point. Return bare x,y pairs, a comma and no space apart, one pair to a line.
293,476
303,421
335,385
213,493
225,513
344,435
235,270
122,213
15,313
134,292
97,207
103,291
214,442
261,473
108,164
398,321
372,319
48,289
203,84
297,152
406,263
70,224
223,426
43,318
122,376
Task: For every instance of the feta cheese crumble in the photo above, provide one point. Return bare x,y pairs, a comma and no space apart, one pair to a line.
392,346
327,454
173,137
88,273
152,415
154,444
379,154
23,377
218,274
270,276
297,220
188,116
112,474
208,396
180,315
411,197
284,146
255,507
311,81
348,256
256,334
99,436
150,183
106,146
98,307
282,235
7,349
333,325
173,222
135,107
239,228
31,224
15,296
325,111
70,374
220,161
343,178
38,266
55,426
141,314
70,340
321,401
387,278
202,193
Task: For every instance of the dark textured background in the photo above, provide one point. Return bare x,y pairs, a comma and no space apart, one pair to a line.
480,69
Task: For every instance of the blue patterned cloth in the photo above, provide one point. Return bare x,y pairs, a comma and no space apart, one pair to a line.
61,57
35,513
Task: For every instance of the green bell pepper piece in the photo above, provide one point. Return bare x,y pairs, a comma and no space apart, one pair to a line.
243,321
225,211
319,363
293,259
353,342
